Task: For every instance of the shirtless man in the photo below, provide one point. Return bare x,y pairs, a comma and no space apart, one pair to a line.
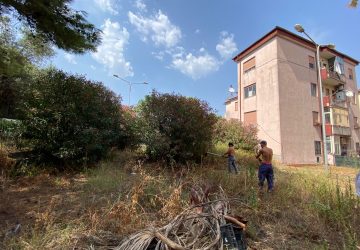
265,169
230,153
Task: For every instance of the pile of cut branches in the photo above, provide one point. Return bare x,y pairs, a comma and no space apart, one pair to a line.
197,227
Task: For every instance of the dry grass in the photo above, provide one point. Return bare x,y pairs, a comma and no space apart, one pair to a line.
308,210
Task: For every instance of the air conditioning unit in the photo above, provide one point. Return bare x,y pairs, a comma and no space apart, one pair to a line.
340,96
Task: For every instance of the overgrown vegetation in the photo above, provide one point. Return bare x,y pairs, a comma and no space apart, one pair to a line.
68,119
308,209
242,136
175,128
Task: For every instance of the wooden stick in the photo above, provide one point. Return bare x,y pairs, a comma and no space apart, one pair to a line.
168,242
235,221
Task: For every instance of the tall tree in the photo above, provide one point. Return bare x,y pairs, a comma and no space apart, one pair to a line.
353,3
19,51
55,21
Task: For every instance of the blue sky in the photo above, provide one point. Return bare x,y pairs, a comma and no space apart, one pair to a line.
186,47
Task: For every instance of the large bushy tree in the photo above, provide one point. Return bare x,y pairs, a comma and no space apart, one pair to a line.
56,22
243,137
176,128
69,119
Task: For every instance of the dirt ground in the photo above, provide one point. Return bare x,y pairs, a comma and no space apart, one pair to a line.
25,200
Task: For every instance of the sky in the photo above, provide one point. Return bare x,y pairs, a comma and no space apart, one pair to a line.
186,47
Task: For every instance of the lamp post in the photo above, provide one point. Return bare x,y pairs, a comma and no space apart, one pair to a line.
129,83
300,29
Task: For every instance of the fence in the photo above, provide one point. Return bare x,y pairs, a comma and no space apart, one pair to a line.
347,161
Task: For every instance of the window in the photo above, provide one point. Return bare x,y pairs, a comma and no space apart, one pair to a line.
357,146
327,118
317,148
337,148
311,62
356,124
328,144
327,115
328,92
350,74
313,89
236,106
250,90
249,65
315,117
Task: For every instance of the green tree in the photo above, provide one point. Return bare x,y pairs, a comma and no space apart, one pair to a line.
353,3
175,128
56,22
71,120
242,136
19,50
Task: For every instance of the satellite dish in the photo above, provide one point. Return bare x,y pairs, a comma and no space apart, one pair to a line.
349,93
231,89
357,184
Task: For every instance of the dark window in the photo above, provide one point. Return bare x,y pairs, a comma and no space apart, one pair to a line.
311,62
317,148
313,89
327,92
350,74
250,90
315,117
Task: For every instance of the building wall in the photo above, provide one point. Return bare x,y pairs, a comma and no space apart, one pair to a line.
230,110
266,101
296,103
351,84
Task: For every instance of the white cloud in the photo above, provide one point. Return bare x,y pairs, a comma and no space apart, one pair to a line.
140,5
107,6
92,67
226,47
159,55
111,51
158,28
195,66
70,58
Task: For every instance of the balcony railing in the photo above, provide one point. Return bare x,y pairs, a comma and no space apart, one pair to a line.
331,101
337,130
331,77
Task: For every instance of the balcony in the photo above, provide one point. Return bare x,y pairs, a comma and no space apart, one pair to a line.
337,130
331,78
331,101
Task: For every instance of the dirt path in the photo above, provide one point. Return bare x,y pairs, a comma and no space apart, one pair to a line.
29,200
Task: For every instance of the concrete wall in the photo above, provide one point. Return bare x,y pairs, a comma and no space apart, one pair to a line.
266,101
351,84
298,132
230,111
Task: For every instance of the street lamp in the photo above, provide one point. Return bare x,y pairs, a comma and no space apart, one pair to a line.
300,29
129,83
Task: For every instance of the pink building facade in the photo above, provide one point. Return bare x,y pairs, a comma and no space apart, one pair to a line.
232,108
278,93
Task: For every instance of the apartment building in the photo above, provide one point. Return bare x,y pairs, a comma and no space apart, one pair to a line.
278,92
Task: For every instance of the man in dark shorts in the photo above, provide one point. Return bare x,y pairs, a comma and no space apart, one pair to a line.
265,169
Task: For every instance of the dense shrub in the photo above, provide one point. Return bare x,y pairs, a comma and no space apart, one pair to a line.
243,137
69,119
175,128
